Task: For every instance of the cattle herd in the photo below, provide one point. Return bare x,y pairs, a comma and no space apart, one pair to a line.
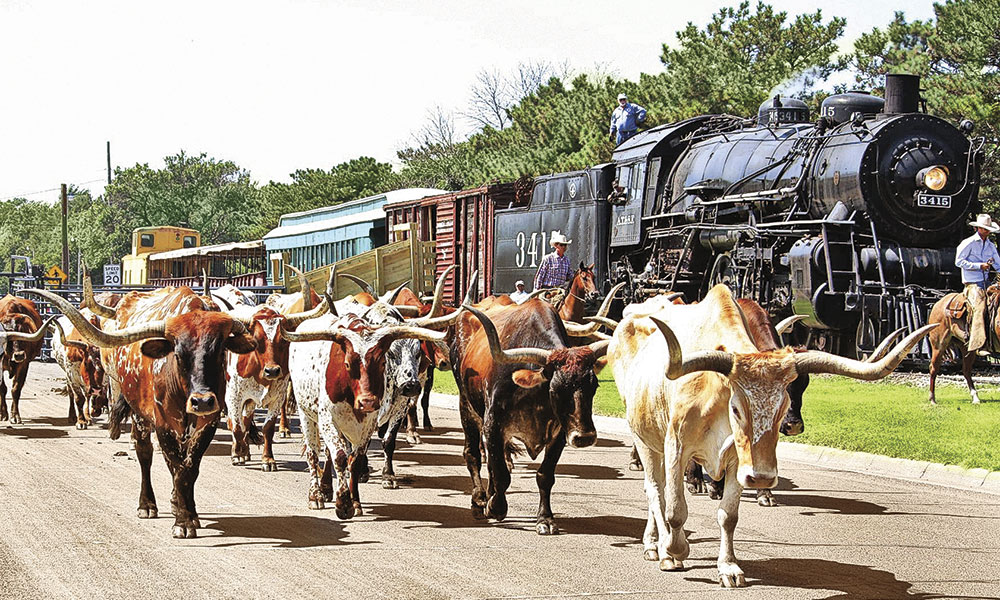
705,384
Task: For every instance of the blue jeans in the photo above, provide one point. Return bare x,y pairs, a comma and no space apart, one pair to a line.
982,284
624,135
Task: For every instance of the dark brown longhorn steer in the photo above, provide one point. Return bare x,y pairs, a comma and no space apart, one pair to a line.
20,319
540,394
173,382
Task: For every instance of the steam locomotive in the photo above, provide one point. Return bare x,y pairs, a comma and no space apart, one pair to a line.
851,220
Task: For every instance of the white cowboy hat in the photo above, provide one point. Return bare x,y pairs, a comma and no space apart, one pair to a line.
558,238
986,223
518,282
622,97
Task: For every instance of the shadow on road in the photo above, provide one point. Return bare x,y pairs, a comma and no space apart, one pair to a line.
440,515
295,531
851,581
850,506
35,433
611,525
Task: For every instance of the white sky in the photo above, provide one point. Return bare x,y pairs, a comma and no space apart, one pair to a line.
280,85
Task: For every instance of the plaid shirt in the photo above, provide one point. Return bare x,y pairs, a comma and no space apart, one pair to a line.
553,272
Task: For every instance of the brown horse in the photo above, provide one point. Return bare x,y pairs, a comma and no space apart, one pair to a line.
953,312
581,294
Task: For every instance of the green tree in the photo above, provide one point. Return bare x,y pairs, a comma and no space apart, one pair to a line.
739,59
315,188
958,56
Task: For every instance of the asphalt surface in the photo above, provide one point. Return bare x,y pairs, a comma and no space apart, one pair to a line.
68,528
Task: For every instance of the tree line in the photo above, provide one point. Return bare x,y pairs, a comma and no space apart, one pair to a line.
544,119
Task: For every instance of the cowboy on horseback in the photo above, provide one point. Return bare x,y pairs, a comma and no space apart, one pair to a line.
555,269
975,255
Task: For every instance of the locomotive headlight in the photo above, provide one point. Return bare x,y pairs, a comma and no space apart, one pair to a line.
933,178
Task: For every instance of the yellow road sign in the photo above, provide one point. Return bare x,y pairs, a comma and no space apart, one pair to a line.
56,272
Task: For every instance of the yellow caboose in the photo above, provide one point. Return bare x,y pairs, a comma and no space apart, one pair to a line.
150,240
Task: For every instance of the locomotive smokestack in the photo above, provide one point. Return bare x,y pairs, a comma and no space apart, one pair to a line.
902,93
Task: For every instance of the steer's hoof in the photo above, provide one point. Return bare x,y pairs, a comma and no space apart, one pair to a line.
478,513
15,420
357,509
268,465
389,482
651,555
546,527
184,531
671,564
766,499
196,523
496,508
284,433
731,576
344,511
635,465
316,504
147,513
81,425
413,438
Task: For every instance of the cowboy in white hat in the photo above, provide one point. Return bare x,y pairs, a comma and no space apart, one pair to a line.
519,294
975,255
555,269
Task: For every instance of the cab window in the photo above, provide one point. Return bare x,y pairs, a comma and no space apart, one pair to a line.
189,241
146,240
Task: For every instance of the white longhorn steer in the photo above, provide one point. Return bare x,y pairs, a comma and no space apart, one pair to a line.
695,387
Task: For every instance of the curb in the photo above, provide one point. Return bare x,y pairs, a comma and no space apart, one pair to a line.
977,480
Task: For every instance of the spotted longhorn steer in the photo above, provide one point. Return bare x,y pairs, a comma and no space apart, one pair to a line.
696,387
20,319
350,373
259,379
165,355
85,380
539,393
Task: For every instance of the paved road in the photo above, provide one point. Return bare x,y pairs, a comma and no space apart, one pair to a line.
68,529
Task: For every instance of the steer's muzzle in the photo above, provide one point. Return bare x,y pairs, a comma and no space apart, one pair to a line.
582,439
756,480
792,426
18,356
411,388
271,372
366,403
202,403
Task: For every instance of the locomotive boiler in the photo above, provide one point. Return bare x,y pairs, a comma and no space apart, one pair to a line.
850,220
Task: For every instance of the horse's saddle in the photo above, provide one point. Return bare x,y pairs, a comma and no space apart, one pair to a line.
958,307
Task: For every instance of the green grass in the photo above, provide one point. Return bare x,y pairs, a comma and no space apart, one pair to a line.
882,418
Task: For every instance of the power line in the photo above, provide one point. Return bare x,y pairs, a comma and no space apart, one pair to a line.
56,189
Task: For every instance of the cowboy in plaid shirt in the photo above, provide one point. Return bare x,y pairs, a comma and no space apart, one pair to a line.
555,269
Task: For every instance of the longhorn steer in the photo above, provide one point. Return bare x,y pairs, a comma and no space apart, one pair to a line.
349,374
720,405
172,382
17,316
85,381
540,394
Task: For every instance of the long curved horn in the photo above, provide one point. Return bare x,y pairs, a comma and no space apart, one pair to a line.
364,285
96,336
88,300
293,320
333,334
391,333
470,293
882,348
674,295
609,323
305,288
538,293
711,360
785,324
66,342
390,297
536,356
600,347
32,337
585,330
439,292
821,362
204,282
407,312
331,282
221,299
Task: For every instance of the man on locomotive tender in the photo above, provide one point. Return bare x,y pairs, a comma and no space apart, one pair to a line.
555,269
975,255
519,295
625,120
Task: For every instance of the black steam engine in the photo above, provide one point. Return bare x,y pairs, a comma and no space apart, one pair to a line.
851,220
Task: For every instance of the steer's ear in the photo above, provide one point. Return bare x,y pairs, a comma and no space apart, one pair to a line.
527,378
241,344
156,347
599,364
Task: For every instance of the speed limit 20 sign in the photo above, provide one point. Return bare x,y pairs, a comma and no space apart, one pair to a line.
112,274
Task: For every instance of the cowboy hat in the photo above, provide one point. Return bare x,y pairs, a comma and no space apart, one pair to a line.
986,223
622,97
558,238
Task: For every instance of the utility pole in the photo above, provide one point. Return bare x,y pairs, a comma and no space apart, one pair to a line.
65,230
109,162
